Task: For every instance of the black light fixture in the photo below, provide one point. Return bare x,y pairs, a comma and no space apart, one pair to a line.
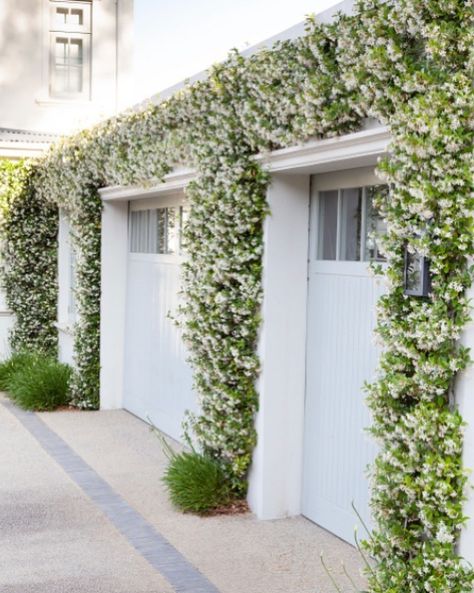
416,276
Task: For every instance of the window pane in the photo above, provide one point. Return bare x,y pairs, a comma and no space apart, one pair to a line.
376,227
327,225
68,71
60,79
75,80
155,231
143,230
173,230
414,273
60,16
133,232
351,203
183,217
76,17
60,51
161,230
75,52
152,239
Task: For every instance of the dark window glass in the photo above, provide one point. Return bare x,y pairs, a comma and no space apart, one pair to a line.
351,202
327,225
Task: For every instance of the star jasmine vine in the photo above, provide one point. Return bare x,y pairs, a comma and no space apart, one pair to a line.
407,63
28,227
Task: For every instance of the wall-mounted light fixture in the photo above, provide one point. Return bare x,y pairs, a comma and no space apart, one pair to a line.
417,280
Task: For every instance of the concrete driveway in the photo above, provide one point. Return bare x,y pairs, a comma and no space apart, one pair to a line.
83,510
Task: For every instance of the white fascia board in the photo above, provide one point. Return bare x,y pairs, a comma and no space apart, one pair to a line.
317,156
20,150
173,182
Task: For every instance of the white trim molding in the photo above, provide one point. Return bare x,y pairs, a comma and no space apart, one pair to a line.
20,150
175,181
317,156
358,149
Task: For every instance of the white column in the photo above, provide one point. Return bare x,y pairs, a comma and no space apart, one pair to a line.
6,325
275,478
465,400
65,320
112,304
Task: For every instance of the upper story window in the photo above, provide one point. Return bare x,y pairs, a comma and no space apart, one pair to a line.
349,224
70,49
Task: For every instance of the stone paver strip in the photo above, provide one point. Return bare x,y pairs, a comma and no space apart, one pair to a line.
155,548
237,553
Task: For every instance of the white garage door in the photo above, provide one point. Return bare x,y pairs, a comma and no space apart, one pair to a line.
341,354
158,381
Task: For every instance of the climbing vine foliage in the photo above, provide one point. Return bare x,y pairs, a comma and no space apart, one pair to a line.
29,228
406,63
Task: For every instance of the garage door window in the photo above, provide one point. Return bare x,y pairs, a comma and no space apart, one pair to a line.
157,230
349,224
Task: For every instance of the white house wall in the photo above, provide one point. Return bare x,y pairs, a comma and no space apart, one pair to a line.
275,478
113,301
24,79
465,401
64,320
6,324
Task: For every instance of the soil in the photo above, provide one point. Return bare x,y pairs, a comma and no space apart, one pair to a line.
236,507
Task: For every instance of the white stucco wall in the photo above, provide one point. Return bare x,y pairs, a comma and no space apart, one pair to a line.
465,401
24,47
65,318
113,300
6,324
275,477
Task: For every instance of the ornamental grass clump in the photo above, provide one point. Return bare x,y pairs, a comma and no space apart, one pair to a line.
40,383
10,366
196,483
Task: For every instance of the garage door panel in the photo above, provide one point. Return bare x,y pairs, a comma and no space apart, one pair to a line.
341,357
158,380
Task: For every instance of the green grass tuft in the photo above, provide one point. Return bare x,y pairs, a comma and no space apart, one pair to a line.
39,383
196,483
10,366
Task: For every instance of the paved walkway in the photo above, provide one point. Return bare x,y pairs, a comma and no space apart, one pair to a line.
83,510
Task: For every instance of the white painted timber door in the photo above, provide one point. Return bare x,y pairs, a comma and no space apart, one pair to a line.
157,378
341,353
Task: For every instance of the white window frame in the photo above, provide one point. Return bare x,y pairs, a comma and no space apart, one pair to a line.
86,71
71,32
175,200
84,5
341,235
338,181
